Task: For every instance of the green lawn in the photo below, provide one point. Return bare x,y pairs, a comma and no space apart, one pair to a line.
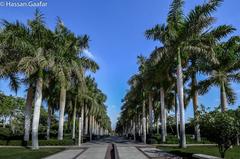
24,153
171,139
233,153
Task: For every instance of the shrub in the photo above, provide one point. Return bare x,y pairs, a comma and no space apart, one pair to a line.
220,128
152,141
153,138
4,133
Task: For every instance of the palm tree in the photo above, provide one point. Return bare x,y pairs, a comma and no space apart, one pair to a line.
11,52
36,64
142,69
134,100
50,92
35,43
179,38
223,72
195,63
68,60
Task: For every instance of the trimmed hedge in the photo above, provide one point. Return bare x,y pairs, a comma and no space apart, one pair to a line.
51,142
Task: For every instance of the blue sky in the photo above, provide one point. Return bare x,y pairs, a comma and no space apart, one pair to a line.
116,29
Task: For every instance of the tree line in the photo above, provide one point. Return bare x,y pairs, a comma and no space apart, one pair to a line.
191,45
53,67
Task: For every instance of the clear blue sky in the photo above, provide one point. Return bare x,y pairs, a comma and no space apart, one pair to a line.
116,29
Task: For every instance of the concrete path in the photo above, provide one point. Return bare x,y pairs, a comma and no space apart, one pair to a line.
98,152
130,153
89,150
67,154
124,150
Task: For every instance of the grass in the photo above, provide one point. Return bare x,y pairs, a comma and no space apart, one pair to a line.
24,153
187,153
171,139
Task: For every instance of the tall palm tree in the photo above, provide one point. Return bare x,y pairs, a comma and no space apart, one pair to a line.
195,63
179,38
50,92
224,72
11,51
35,43
68,60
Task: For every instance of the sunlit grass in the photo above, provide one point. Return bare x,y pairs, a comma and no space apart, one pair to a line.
233,153
24,153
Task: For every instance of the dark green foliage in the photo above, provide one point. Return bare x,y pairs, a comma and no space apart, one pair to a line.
4,133
172,139
220,128
52,142
153,139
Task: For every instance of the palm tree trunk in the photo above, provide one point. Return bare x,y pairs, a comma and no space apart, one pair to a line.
79,131
147,123
36,112
69,120
90,127
223,98
176,116
49,121
158,125
144,123
4,124
165,120
74,120
163,131
86,119
61,112
181,102
150,113
139,125
93,126
238,142
82,117
28,112
134,131
195,107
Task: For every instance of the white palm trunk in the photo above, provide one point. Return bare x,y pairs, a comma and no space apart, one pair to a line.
166,116
134,131
223,97
61,112
96,128
195,108
90,127
28,112
86,120
49,121
82,117
163,118
157,124
36,112
177,117
79,131
93,126
181,102
139,125
74,121
150,113
144,123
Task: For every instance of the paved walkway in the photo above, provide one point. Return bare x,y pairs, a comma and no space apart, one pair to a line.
125,149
